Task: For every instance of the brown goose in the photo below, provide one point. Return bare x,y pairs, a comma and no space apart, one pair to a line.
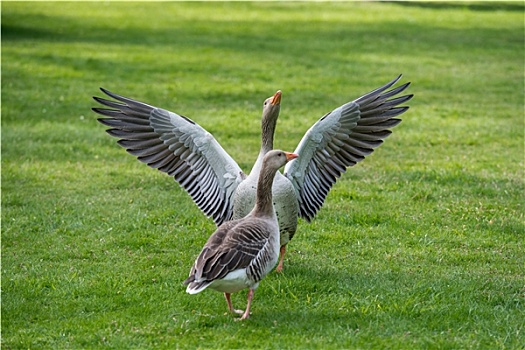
178,146
241,252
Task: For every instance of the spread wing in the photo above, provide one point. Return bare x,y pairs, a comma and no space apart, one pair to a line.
339,140
177,146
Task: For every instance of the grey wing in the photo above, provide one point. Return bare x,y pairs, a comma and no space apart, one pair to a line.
177,146
339,140
233,246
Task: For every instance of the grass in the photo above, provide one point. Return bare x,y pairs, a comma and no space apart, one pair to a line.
419,246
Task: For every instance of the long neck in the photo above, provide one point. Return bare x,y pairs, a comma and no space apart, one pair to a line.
263,199
268,124
267,130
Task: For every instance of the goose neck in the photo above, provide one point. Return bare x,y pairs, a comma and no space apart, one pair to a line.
263,201
267,131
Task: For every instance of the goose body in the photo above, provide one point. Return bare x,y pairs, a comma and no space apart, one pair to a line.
241,252
181,148
284,201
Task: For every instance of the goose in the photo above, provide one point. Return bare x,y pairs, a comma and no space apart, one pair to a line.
178,146
241,252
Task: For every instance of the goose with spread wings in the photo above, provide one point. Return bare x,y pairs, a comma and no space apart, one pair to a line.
178,146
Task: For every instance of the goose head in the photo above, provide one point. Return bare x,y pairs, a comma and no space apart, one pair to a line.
275,159
272,104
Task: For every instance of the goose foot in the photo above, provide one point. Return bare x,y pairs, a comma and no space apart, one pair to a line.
247,312
230,306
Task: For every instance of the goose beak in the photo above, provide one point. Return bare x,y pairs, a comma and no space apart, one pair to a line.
290,156
276,99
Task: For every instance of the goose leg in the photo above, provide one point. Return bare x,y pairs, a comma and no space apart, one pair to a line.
281,261
230,306
247,312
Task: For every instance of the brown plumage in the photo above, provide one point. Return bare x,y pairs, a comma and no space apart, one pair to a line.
241,252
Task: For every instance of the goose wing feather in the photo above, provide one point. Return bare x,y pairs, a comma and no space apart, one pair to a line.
178,146
236,244
341,139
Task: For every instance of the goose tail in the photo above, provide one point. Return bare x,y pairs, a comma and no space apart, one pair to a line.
195,287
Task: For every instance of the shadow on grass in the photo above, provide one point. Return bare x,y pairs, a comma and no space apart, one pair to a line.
262,37
470,5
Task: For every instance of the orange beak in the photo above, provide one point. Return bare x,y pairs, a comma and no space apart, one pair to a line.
276,98
290,156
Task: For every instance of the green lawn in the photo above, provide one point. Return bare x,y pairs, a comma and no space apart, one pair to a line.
419,246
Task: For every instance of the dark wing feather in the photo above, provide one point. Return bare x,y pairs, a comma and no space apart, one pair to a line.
177,146
235,245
